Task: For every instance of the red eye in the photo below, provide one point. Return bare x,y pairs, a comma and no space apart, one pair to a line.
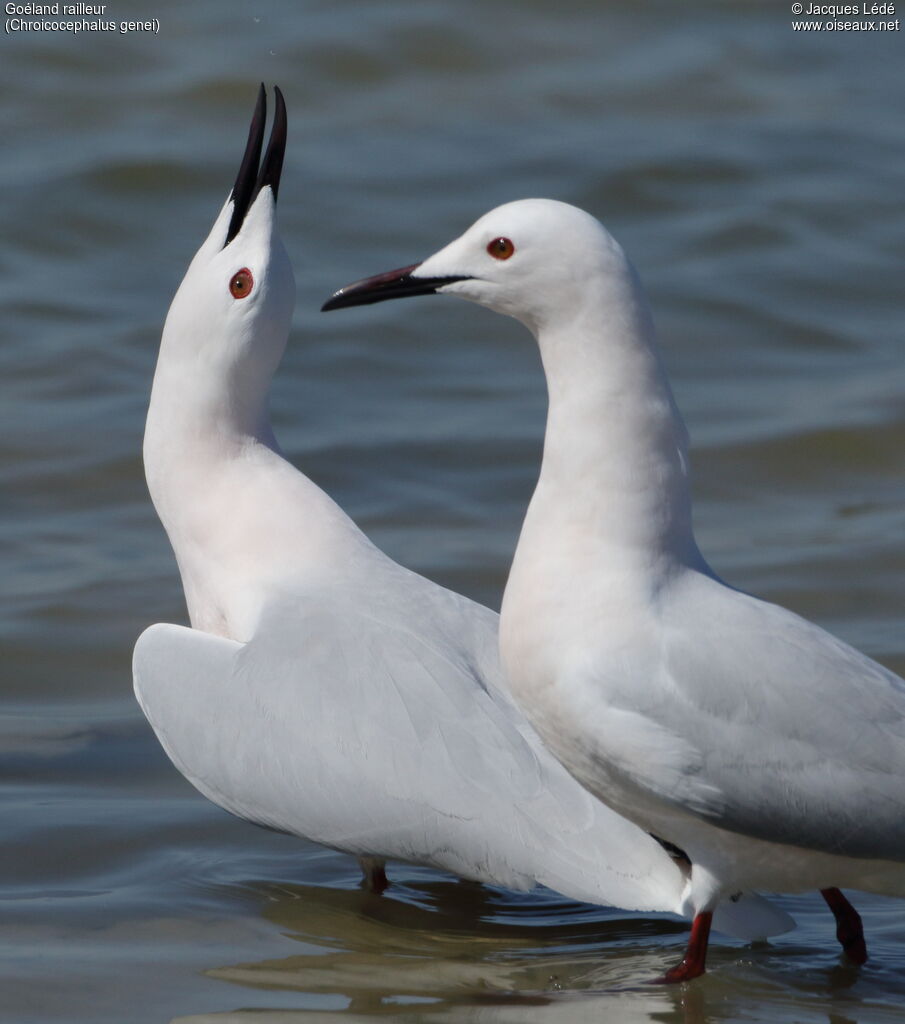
241,283
500,248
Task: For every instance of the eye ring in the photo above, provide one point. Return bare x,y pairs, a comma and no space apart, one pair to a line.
500,248
241,284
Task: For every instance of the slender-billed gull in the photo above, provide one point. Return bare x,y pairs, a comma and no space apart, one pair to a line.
767,750
324,690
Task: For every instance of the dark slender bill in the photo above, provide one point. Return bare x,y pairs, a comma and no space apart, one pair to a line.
272,166
394,284
248,169
251,179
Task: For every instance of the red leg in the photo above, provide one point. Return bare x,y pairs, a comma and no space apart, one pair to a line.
692,965
849,931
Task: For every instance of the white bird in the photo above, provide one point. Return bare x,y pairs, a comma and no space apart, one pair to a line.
770,752
324,690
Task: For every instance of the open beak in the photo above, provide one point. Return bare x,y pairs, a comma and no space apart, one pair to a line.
394,284
251,179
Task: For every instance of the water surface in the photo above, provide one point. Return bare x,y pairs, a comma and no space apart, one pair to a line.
755,176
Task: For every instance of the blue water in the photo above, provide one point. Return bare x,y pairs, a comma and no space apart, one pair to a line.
754,175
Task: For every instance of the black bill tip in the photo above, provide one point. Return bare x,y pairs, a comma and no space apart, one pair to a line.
251,179
272,165
394,284
248,169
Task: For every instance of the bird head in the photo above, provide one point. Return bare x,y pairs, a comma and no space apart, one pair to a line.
537,260
230,318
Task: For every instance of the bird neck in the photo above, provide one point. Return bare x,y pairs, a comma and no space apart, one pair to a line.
613,480
196,420
244,524
204,447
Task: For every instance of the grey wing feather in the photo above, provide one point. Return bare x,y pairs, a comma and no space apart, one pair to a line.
377,746
377,741
774,728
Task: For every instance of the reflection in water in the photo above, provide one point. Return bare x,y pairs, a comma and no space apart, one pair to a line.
447,945
457,910
591,1010
448,950
442,950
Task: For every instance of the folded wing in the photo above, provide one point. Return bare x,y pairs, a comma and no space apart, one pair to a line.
353,731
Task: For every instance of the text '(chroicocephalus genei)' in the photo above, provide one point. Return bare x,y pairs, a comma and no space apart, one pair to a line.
324,690
770,752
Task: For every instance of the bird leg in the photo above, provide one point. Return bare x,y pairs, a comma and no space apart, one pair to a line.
849,931
692,965
374,876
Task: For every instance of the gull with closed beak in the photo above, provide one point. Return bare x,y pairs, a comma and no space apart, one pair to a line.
768,751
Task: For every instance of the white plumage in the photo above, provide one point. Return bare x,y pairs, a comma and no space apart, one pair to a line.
324,690
769,751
